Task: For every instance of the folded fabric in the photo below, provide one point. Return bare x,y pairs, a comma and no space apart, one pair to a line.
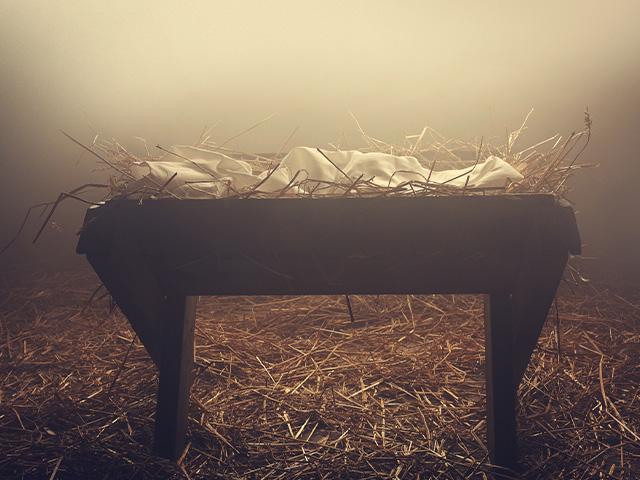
200,172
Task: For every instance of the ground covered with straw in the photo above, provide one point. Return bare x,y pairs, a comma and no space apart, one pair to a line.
292,387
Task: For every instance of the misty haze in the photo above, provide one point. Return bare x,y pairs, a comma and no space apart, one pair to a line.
348,363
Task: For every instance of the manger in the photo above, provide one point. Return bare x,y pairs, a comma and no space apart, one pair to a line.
430,216
157,256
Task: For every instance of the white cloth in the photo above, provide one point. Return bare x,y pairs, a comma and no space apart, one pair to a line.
202,172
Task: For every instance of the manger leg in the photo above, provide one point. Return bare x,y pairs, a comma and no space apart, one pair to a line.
178,323
501,390
532,296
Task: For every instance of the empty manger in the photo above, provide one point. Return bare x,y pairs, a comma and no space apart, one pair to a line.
156,256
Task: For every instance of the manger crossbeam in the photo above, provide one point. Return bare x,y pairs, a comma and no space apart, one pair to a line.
155,256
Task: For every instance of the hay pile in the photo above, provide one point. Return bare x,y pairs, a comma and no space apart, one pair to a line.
546,165
291,388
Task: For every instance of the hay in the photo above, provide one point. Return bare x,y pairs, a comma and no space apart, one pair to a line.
546,165
292,388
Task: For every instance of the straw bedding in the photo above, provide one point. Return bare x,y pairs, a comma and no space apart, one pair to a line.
543,167
292,388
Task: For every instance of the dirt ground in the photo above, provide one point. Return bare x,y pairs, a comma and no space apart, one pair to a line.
290,387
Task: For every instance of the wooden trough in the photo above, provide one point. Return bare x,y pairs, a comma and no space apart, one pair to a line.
155,257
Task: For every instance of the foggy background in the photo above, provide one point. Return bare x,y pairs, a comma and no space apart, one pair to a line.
164,70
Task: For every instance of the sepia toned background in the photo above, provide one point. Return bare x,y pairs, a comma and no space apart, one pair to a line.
164,70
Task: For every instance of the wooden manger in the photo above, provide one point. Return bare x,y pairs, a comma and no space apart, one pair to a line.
155,257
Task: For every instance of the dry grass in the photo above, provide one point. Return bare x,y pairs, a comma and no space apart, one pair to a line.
291,388
545,165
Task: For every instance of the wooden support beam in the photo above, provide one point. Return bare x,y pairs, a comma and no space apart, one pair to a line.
532,297
176,365
136,290
513,322
501,390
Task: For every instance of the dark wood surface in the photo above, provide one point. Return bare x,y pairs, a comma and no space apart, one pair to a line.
329,246
178,325
155,255
333,227
500,382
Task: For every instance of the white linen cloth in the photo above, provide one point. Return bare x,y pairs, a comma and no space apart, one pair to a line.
202,172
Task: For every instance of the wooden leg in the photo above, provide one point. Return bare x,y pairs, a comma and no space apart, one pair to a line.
501,390
176,362
532,296
133,286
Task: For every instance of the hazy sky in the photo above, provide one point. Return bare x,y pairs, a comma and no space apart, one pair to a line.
163,70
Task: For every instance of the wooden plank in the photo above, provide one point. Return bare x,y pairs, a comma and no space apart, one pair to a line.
326,246
395,273
176,363
501,390
334,227
136,290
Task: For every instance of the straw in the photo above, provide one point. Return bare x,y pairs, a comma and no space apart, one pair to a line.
546,165
291,388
